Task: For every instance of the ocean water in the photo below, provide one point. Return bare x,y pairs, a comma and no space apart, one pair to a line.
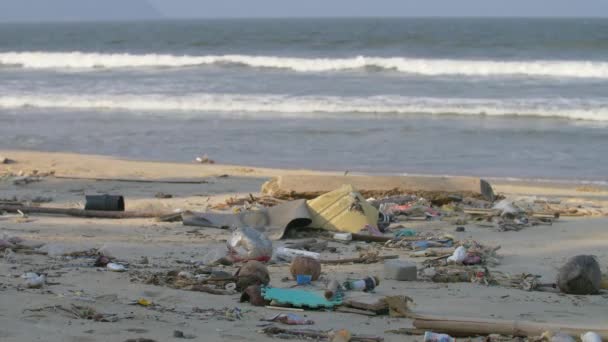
489,97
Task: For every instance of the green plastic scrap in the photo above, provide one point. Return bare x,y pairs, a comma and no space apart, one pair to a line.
300,298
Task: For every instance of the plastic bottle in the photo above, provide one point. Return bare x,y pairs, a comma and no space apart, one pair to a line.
289,253
366,284
430,336
343,236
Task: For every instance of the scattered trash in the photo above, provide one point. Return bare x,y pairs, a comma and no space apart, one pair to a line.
580,275
405,233
253,295
289,254
252,273
434,337
343,236
332,289
460,229
366,284
549,336
180,334
291,319
316,335
34,280
342,210
459,255
303,279
144,302
114,267
101,261
591,337
249,244
104,203
204,159
305,266
163,195
299,298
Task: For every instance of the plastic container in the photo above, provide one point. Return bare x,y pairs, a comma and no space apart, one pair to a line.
343,236
288,254
303,279
366,284
105,203
434,337
249,244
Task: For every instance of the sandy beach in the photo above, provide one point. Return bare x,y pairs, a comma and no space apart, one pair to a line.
32,315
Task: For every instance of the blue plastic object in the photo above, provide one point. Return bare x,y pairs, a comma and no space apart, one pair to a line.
303,279
405,233
300,298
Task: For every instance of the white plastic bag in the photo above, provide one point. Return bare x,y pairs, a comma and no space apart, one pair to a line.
459,255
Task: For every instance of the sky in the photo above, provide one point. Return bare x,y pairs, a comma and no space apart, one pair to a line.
349,8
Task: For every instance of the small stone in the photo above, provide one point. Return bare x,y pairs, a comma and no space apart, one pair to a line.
3,160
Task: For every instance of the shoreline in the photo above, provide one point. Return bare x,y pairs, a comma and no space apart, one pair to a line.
72,165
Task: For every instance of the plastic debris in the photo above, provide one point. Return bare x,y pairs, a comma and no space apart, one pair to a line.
249,244
289,254
144,302
34,280
434,337
114,267
405,233
459,255
290,319
343,236
591,336
305,266
366,284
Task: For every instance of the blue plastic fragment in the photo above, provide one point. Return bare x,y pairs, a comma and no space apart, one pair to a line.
300,298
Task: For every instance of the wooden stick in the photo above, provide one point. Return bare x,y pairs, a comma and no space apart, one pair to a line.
207,289
357,260
127,180
271,307
344,309
79,212
317,334
457,326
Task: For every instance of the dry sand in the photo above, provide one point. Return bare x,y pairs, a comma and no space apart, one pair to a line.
539,250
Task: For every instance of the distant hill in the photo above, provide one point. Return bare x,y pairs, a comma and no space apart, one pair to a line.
76,10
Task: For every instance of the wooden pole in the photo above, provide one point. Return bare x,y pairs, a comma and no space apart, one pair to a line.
79,212
458,326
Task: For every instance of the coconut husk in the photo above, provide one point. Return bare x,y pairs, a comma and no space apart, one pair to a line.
252,273
302,265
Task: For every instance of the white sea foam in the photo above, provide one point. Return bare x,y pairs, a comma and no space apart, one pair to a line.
302,105
429,67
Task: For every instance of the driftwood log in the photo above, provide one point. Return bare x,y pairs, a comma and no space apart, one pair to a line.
465,327
79,212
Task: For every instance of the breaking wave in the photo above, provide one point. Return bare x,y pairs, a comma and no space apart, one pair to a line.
429,67
290,105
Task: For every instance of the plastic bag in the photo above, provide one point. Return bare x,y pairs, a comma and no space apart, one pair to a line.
249,244
459,255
